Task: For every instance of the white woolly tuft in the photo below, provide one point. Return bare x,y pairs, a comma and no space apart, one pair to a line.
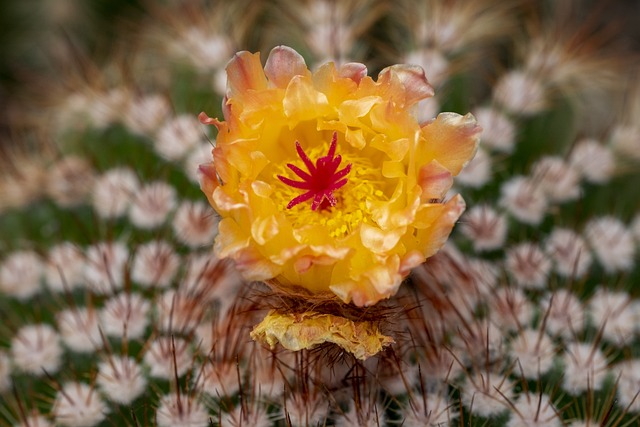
121,379
181,411
36,349
20,274
78,405
152,204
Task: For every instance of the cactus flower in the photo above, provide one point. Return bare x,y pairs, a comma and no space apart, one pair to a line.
326,183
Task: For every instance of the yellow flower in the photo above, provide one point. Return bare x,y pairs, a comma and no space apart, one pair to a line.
326,183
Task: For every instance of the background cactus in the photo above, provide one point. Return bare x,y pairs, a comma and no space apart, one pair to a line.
115,311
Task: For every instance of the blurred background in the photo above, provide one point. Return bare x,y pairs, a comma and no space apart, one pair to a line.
37,34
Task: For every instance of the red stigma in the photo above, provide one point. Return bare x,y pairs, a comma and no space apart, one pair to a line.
321,180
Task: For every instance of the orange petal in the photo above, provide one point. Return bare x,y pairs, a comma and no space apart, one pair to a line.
206,120
337,88
224,171
451,139
244,72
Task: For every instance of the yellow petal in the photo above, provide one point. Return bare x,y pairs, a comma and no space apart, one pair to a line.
435,235
253,266
253,107
320,255
226,173
351,111
396,149
303,102
428,214
367,278
307,330
378,240
264,229
399,210
385,278
231,238
224,202
451,139
393,169
355,138
262,189
330,251
240,157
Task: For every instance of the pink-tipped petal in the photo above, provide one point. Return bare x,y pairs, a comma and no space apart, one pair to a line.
206,120
410,261
414,80
435,180
353,70
282,64
208,179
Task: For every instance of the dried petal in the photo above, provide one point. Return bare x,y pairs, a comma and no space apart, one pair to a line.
307,330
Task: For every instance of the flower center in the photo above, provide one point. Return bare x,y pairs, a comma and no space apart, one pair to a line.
320,180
